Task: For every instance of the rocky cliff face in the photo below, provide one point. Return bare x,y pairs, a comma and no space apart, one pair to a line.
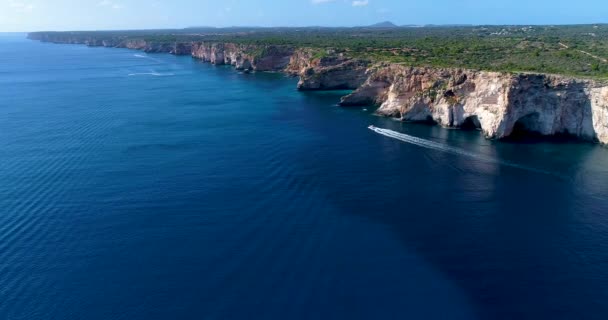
182,48
178,48
244,57
499,104
330,72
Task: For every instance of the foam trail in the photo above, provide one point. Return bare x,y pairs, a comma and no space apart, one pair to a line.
453,150
156,74
145,56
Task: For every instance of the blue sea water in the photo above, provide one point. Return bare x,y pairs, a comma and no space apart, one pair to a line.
136,186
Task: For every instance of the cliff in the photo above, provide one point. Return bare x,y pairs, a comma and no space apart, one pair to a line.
331,71
324,73
178,48
499,104
244,57
328,72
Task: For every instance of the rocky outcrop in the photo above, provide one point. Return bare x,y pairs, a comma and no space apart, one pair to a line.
329,72
599,107
149,46
497,103
178,48
182,48
244,57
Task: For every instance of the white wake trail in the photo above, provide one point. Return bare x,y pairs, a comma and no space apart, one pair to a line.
453,150
145,56
156,74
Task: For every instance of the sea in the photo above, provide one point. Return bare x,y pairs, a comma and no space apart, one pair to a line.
151,186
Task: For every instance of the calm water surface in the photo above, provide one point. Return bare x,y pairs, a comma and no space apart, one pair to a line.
138,186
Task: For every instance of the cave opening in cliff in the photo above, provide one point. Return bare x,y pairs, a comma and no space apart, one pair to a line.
527,127
471,123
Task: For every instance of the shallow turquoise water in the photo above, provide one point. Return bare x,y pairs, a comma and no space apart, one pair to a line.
138,186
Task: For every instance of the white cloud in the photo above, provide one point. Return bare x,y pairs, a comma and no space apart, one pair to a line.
360,3
21,7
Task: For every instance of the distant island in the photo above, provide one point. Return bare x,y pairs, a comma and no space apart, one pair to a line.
503,80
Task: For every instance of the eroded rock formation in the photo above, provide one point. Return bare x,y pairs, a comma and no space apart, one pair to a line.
330,72
497,103
244,57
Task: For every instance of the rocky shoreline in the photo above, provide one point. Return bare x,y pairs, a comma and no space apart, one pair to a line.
499,104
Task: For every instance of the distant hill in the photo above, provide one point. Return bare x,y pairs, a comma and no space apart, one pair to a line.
200,27
385,24
447,25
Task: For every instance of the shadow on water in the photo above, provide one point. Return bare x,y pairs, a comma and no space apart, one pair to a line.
520,136
521,244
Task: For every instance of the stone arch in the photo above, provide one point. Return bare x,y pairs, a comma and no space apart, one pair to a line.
527,125
471,123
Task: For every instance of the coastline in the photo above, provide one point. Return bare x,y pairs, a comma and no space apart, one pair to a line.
500,104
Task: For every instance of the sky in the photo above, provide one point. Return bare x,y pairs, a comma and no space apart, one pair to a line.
45,15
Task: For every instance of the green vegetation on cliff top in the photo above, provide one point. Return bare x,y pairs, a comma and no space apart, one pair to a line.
577,50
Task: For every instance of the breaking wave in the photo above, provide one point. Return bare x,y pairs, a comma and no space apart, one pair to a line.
453,150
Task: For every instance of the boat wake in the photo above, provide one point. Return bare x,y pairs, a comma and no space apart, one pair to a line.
156,74
145,56
454,150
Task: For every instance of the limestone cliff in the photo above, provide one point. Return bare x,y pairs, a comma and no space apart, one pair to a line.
333,71
496,103
499,104
244,57
330,72
178,48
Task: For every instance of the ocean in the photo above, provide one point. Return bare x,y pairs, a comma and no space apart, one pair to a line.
150,186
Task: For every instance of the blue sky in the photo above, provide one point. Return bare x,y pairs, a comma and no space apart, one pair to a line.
29,15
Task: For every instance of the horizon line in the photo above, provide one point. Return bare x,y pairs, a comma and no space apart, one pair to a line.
319,26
